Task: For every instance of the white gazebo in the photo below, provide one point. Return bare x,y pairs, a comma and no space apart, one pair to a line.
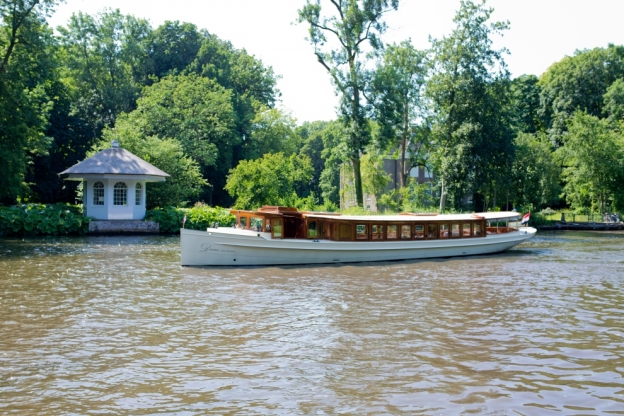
113,183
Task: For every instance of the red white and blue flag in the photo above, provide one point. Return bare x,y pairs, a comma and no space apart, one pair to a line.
525,219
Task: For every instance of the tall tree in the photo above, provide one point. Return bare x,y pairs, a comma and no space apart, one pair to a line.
397,95
352,26
106,61
525,91
469,90
271,180
196,112
174,47
593,159
26,63
251,84
578,82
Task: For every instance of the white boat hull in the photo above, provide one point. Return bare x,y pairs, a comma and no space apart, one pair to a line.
227,247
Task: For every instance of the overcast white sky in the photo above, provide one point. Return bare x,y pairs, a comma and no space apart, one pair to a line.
542,32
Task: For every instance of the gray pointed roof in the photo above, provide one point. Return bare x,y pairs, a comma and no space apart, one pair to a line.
114,161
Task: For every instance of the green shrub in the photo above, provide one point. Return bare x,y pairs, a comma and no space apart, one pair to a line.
199,217
42,219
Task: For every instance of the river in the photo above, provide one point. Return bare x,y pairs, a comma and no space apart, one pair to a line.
113,325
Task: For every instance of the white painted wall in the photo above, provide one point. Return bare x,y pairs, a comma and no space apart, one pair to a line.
108,211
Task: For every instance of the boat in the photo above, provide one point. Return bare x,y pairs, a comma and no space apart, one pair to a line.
274,235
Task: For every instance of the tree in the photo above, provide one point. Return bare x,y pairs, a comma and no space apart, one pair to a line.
185,183
525,92
593,159
614,101
196,112
311,136
397,89
270,180
26,53
272,131
174,46
251,84
352,26
106,65
578,82
535,172
469,89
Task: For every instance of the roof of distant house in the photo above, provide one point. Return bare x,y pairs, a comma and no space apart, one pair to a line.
115,161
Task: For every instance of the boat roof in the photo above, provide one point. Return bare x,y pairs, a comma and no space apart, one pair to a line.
409,217
402,217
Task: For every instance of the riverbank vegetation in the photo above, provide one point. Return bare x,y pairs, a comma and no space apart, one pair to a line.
42,219
204,111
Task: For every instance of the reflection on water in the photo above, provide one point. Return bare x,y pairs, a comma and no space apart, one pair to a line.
113,325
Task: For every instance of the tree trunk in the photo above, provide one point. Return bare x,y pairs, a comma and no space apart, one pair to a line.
357,181
442,197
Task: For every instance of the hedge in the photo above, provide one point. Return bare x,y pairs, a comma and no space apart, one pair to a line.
42,219
197,218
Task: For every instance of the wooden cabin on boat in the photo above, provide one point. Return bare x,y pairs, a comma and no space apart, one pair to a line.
286,222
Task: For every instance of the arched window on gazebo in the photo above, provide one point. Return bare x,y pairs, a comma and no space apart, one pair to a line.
120,194
98,193
137,197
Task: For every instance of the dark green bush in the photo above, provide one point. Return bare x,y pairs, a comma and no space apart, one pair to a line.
197,218
42,219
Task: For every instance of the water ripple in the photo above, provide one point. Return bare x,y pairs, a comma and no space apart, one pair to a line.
116,326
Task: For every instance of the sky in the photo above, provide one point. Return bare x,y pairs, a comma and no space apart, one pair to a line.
541,33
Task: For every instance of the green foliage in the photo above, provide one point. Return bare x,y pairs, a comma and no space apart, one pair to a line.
272,131
535,172
578,82
271,180
399,107
414,197
26,48
105,64
593,156
174,47
469,88
353,24
199,217
525,92
40,219
185,182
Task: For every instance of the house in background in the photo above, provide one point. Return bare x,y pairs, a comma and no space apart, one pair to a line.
113,188
391,167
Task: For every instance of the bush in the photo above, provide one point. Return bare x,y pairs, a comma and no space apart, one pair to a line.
197,218
42,219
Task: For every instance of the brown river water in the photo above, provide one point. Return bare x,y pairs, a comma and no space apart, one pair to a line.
113,325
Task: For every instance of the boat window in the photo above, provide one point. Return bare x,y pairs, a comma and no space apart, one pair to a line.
477,229
255,223
455,230
243,222
406,231
377,232
444,230
432,231
466,229
344,232
277,228
419,232
312,229
393,232
361,232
